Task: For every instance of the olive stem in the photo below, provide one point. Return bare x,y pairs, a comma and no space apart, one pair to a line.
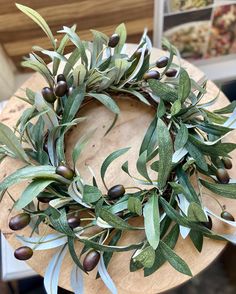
218,202
87,218
127,188
98,234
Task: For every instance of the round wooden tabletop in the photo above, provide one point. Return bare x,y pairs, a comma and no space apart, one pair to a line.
128,131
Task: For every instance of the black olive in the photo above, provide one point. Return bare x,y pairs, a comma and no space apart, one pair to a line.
23,253
61,88
45,197
114,40
226,215
162,62
73,221
171,72
70,91
227,163
19,221
48,95
222,176
61,77
208,224
91,260
116,192
139,52
65,171
152,74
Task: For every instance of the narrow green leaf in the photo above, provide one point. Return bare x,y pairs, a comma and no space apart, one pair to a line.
142,166
115,221
196,154
197,239
73,104
227,109
145,256
73,254
107,101
181,137
149,142
170,239
196,213
176,107
29,172
163,91
165,153
73,58
161,110
225,190
31,192
135,205
8,138
121,31
107,248
80,145
178,263
184,85
110,158
152,220
39,20
91,194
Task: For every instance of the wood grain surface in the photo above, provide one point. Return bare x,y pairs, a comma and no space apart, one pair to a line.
128,131
18,33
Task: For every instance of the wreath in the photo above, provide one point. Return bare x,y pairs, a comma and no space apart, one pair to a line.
183,142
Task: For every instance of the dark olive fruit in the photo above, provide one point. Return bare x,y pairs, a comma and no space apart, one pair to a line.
116,192
139,52
73,221
171,72
65,171
61,77
23,253
45,197
152,74
114,40
19,221
48,95
60,88
208,224
162,62
227,163
70,91
222,176
226,215
91,260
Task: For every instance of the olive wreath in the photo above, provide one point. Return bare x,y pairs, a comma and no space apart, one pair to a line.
183,140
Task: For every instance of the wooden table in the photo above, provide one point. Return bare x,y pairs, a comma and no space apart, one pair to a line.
128,131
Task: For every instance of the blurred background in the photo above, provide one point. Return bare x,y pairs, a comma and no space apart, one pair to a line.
203,30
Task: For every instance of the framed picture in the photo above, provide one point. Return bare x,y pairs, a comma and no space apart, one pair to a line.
204,31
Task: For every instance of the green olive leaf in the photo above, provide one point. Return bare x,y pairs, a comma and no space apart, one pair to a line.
178,263
142,166
107,101
110,158
196,213
115,221
184,85
165,153
39,20
145,256
197,239
152,220
91,194
225,190
181,137
135,205
163,91
196,154
121,31
9,139
31,192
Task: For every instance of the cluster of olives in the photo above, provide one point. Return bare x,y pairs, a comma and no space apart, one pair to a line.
221,173
60,89
160,63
